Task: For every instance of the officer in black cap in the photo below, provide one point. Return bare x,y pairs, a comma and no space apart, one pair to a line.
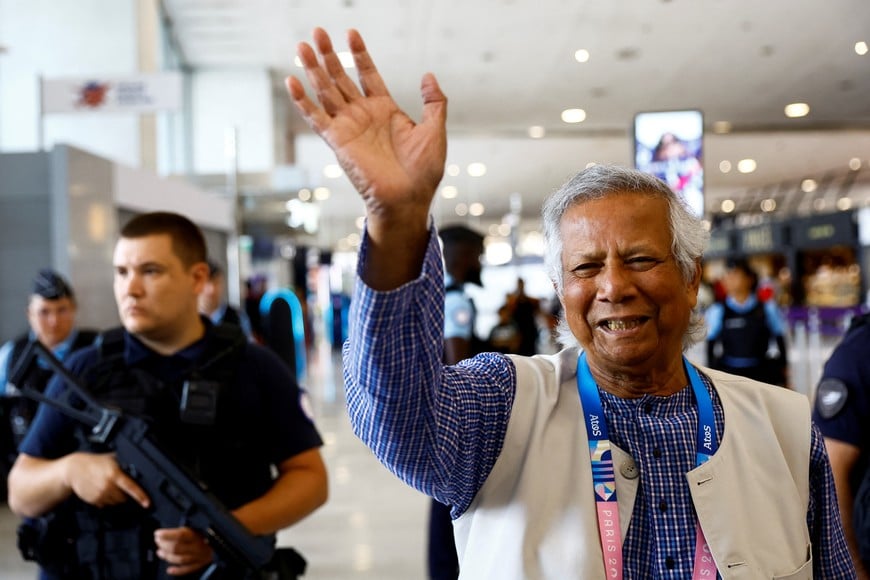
462,249
842,413
51,312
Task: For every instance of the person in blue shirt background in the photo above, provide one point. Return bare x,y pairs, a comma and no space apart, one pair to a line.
212,301
741,330
51,313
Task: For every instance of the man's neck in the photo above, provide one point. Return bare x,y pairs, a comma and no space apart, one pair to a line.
168,346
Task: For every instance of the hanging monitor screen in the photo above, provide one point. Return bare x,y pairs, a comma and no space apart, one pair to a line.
668,144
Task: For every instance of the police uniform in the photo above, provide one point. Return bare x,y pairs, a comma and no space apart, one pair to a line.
16,411
259,422
842,404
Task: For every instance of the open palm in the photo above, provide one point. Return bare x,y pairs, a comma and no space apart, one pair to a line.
394,163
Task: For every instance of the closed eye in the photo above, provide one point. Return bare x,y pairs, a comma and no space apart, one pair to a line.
642,263
587,269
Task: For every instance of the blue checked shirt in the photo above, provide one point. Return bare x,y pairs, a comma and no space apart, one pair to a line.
440,429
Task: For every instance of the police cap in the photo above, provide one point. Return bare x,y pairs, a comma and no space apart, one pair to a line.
51,285
460,234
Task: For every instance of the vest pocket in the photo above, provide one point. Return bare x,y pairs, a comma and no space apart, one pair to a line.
805,572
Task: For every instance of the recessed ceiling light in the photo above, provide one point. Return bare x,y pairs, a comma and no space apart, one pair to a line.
476,169
768,205
476,209
449,192
724,166
321,193
854,164
360,222
844,203
536,132
861,48
573,115
746,165
809,185
795,110
721,127
453,170
304,194
581,55
728,205
461,209
333,171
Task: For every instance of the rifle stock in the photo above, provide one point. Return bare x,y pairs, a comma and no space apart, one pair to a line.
178,499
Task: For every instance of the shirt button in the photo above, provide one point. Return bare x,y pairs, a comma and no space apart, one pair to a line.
657,453
669,563
663,506
629,470
647,407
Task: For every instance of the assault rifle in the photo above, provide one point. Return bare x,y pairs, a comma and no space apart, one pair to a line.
178,499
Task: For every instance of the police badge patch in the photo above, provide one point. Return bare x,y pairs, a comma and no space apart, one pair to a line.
831,397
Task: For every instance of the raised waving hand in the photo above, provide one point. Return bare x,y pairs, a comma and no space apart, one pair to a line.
394,162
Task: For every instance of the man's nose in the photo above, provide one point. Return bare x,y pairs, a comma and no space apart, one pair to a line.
614,283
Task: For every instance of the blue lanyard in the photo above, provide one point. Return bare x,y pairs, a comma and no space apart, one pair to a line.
604,480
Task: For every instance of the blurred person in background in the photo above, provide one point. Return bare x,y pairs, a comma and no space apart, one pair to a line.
746,335
213,304
462,249
51,313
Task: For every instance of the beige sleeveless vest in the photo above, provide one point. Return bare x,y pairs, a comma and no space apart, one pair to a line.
535,516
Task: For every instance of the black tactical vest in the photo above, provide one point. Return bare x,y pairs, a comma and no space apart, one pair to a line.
745,335
117,542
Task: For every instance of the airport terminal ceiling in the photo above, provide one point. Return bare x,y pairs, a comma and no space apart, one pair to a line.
511,67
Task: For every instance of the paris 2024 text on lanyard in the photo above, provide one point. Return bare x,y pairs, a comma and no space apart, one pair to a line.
604,480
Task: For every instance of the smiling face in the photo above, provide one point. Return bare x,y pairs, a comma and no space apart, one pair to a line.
624,296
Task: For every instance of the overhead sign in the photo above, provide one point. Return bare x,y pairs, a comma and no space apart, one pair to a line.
146,93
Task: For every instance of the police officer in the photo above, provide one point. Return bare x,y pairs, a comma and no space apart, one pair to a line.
462,250
842,413
213,304
249,427
51,313
741,329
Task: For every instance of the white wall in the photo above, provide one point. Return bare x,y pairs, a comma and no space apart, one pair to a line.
222,100
57,38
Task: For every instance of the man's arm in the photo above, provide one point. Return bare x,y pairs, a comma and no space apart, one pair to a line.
843,457
37,485
299,490
394,163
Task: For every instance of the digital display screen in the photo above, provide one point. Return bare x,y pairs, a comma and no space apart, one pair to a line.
669,145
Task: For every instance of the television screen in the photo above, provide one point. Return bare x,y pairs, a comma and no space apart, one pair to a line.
668,144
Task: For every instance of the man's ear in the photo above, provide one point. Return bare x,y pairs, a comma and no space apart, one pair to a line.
200,274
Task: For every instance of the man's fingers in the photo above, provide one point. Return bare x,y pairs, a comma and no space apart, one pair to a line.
369,78
131,488
333,65
434,100
316,117
327,93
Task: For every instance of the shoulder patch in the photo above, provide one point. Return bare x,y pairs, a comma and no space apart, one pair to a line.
831,397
